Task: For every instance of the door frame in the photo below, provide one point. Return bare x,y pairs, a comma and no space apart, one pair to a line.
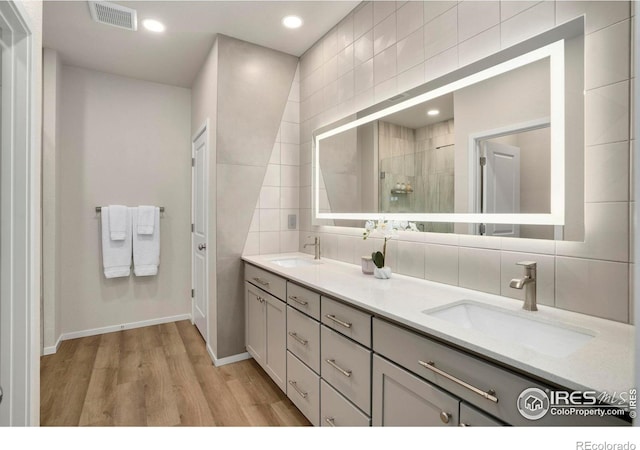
202,130
19,210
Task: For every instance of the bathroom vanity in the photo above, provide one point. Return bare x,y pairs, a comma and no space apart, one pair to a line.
352,350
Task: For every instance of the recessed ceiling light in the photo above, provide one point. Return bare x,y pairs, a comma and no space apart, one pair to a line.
292,22
433,112
153,25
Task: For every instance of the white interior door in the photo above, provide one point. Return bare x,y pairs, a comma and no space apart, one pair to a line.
502,185
199,239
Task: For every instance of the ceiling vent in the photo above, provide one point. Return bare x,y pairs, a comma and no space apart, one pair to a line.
115,15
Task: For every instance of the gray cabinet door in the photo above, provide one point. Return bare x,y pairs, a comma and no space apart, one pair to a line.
254,323
402,399
472,417
276,340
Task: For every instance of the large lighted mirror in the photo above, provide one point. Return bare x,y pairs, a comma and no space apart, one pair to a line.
483,150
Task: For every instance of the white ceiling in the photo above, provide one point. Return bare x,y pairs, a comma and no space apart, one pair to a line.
175,56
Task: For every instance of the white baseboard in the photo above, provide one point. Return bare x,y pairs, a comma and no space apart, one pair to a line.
53,349
124,326
229,359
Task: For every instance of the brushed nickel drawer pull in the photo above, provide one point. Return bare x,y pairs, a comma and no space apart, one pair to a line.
297,300
338,321
331,421
462,424
298,338
332,363
295,386
261,281
489,395
260,299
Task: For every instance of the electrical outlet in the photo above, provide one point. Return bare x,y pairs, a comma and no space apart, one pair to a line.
291,221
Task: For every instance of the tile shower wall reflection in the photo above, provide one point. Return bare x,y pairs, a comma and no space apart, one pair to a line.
384,48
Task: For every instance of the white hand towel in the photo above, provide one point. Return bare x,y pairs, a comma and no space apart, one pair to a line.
146,219
116,255
146,248
118,228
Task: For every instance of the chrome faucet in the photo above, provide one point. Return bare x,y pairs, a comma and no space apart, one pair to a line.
528,282
316,244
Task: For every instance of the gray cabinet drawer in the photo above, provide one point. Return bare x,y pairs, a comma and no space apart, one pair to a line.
303,338
303,389
401,399
267,281
413,351
346,366
337,411
303,300
472,417
347,320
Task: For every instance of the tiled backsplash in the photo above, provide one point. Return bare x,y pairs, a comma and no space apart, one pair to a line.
383,48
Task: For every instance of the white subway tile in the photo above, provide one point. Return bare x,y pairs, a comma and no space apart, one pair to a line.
409,18
410,51
527,24
607,55
607,114
545,276
589,286
384,34
544,246
490,242
607,173
363,48
411,259
479,269
441,33
477,16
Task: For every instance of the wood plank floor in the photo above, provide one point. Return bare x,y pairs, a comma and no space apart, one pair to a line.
156,376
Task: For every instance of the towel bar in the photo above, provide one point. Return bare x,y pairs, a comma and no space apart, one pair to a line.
99,208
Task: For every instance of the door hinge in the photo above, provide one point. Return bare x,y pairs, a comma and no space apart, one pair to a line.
193,293
482,229
193,162
483,161
193,228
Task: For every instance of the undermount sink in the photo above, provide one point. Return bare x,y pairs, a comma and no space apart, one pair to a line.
294,262
550,339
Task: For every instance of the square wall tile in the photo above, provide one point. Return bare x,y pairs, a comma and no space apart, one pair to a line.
441,263
328,246
544,246
269,242
345,87
284,219
252,245
474,17
509,9
275,154
606,229
479,46
345,60
289,241
384,65
363,48
433,9
441,64
607,53
594,287
362,20
545,276
384,34
411,259
289,197
410,51
272,175
345,32
291,112
290,176
289,133
607,173
330,44
632,232
528,23
255,221
363,75
599,14
409,18
269,220
385,90
411,78
382,9
270,197
607,114
290,154
441,33
479,269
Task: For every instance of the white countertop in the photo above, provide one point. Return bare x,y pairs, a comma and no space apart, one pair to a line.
604,364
